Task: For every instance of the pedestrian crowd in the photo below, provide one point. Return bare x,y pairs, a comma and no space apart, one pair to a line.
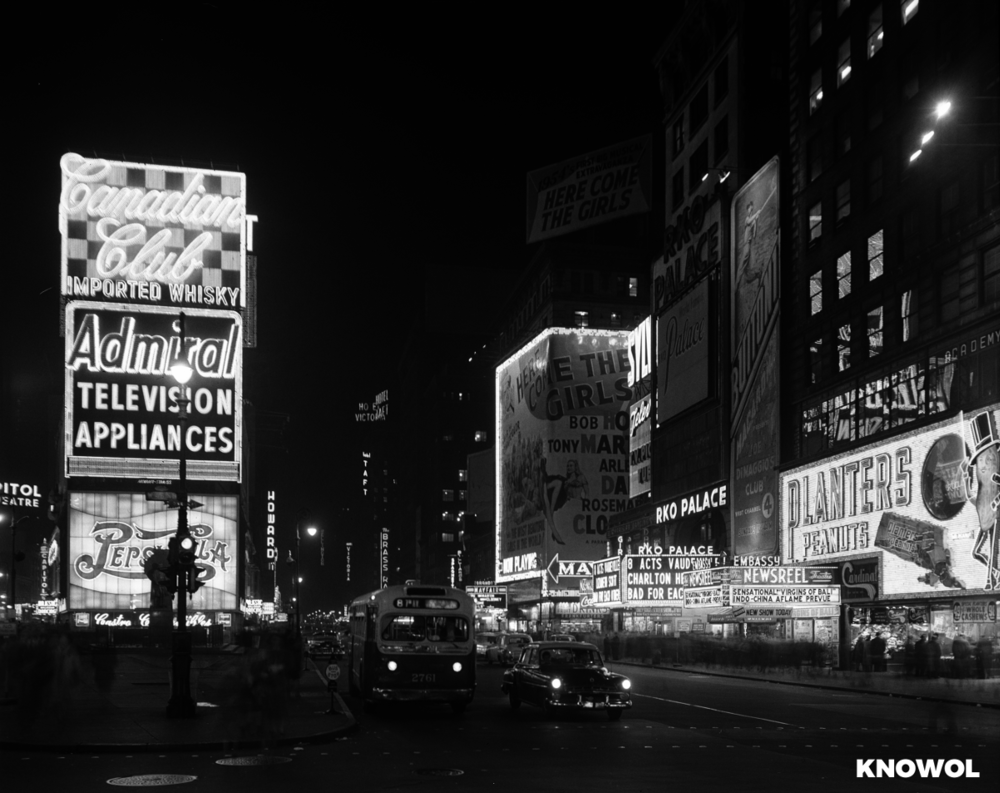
923,657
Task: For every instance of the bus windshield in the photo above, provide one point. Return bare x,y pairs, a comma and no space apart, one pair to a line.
419,627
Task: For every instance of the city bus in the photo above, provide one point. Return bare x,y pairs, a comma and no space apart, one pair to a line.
413,643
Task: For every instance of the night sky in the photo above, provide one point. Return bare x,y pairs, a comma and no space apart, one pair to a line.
371,153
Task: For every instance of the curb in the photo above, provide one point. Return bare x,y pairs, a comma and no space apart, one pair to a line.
686,670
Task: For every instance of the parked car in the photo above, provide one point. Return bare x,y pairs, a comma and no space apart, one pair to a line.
562,676
508,648
324,645
485,640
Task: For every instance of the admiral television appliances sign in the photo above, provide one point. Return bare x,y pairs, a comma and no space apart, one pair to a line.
122,414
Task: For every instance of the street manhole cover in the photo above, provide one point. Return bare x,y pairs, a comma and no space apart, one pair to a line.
151,780
259,759
439,772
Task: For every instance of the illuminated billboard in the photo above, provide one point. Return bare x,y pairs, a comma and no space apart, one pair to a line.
640,418
683,337
112,534
692,247
594,188
562,468
152,234
121,416
925,502
659,579
607,582
755,266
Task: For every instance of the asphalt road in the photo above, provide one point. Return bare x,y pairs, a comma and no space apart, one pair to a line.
685,732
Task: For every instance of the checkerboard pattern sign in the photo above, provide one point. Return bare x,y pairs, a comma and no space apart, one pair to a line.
151,234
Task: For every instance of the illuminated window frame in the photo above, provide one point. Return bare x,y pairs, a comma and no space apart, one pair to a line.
908,315
876,338
844,348
815,91
815,220
908,9
581,319
844,62
876,255
815,293
843,275
876,33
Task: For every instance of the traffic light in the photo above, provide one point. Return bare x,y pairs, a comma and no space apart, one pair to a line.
194,580
186,548
172,552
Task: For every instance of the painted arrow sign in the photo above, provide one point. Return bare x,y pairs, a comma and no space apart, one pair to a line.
568,569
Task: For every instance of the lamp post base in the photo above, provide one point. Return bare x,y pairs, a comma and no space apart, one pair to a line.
180,705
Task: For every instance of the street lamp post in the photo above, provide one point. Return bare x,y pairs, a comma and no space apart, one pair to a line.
181,704
311,531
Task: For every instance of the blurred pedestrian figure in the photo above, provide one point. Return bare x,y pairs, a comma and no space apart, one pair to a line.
909,657
962,652
933,656
921,654
984,658
878,648
104,661
615,646
607,645
866,655
858,655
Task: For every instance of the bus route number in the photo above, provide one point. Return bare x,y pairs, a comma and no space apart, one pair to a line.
422,677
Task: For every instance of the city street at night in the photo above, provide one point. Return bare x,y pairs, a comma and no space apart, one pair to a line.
520,399
695,727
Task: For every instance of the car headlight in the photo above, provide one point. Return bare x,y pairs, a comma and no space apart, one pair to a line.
457,666
626,684
393,666
556,683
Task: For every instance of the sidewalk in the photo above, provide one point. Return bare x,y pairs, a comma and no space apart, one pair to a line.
131,714
968,691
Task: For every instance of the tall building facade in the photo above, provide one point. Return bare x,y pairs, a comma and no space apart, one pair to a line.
893,290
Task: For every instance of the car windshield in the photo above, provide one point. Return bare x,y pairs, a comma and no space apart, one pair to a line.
418,627
571,656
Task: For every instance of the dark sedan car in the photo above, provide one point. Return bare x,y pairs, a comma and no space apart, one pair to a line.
564,675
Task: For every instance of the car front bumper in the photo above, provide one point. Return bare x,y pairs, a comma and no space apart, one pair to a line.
591,701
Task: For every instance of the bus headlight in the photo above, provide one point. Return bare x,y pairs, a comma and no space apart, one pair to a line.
457,666
626,684
392,666
556,683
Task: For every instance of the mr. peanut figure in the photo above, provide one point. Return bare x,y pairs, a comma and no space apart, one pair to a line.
984,464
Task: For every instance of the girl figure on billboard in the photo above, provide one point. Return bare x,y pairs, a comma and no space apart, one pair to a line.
559,489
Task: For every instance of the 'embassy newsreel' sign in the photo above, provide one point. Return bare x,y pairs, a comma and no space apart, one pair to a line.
122,417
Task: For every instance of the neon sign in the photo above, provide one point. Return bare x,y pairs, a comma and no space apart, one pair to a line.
272,549
129,230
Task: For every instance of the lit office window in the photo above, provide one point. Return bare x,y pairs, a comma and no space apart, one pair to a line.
842,6
815,361
844,62
815,222
909,9
447,495
582,319
633,287
815,91
874,332
480,436
816,292
844,275
908,314
463,475
875,263
844,348
875,33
